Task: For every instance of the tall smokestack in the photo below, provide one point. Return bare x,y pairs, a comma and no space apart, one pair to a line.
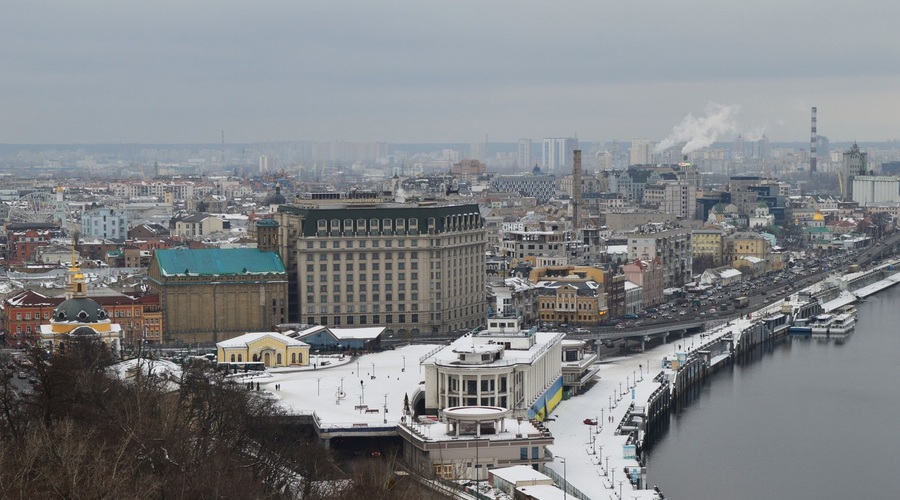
812,143
576,188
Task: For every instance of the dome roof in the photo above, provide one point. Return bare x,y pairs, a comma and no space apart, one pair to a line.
80,310
818,216
275,198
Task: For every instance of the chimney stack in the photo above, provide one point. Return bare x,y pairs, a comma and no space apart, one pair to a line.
576,188
812,143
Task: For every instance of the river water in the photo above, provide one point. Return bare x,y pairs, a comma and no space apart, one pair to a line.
808,419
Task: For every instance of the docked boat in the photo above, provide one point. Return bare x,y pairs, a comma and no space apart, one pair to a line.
837,323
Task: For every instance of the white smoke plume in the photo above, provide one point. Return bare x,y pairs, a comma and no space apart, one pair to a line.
701,132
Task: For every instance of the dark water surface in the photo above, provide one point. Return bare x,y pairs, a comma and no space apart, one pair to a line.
809,419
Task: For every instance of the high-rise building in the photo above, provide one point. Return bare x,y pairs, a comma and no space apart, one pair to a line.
641,152
412,268
853,165
739,151
525,159
557,153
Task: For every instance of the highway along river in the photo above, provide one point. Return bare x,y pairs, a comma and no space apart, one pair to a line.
808,418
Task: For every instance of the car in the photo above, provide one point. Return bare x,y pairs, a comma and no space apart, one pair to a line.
22,375
630,316
682,313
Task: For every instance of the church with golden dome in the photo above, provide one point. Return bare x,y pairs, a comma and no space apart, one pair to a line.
79,317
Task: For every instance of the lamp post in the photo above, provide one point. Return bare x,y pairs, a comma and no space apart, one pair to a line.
601,454
404,362
373,369
565,480
612,472
620,488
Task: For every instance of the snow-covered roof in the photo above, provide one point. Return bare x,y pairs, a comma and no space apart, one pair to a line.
617,249
630,286
367,333
449,354
729,273
518,473
542,492
752,259
248,338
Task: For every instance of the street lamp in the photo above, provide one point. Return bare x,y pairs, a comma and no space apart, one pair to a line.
373,370
404,362
565,481
620,488
612,472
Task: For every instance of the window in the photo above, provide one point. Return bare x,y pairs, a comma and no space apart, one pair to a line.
523,453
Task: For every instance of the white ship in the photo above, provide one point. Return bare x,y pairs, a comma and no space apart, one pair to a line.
840,322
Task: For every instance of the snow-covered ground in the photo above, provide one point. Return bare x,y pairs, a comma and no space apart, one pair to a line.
338,390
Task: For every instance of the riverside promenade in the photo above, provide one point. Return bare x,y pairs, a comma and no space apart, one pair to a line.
591,451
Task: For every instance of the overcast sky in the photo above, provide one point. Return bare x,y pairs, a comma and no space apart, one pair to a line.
91,71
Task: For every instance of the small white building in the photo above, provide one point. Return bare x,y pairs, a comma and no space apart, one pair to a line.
634,298
507,479
724,275
466,441
500,366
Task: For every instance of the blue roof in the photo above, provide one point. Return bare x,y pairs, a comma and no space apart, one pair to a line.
218,262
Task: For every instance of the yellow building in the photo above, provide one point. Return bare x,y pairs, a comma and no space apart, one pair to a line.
740,245
557,272
272,349
573,302
79,317
707,243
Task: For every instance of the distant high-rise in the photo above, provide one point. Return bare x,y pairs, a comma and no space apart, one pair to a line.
812,143
557,153
641,152
854,165
525,159
739,149
263,164
761,148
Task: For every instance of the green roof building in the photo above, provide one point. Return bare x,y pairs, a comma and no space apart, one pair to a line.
214,294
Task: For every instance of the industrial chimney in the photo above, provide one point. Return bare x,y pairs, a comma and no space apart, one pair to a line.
812,143
576,188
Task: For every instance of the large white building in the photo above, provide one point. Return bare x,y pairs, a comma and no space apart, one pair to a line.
870,189
501,366
525,159
641,152
557,153
105,223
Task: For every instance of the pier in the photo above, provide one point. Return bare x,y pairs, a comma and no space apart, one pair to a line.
602,433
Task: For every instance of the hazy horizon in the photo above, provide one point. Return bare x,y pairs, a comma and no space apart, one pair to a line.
102,72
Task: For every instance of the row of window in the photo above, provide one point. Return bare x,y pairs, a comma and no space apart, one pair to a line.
376,266
363,308
296,358
364,243
362,320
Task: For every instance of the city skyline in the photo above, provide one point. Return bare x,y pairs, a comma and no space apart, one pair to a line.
104,72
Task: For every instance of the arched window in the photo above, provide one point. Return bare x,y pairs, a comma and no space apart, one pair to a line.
232,358
293,357
239,358
300,358
278,359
